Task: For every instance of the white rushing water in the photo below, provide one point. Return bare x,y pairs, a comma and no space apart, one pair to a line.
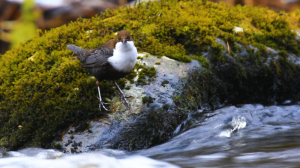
245,136
41,158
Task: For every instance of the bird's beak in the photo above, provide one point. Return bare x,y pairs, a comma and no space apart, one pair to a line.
124,40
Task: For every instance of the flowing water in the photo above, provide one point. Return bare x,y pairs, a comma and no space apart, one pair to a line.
244,136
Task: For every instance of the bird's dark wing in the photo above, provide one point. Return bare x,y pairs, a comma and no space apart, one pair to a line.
99,56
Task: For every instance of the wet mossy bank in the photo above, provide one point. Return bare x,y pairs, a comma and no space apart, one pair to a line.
44,89
271,80
180,89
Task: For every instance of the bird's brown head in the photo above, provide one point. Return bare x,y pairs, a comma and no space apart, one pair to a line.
124,36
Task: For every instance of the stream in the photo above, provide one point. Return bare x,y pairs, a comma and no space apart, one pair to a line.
250,135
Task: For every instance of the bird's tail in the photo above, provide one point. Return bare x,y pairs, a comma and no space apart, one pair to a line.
78,51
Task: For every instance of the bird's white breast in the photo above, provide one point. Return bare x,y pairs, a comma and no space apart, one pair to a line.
124,57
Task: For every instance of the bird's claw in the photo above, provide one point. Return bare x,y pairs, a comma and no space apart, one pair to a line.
102,104
120,94
123,97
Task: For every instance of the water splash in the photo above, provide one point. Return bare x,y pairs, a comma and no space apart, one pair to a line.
237,123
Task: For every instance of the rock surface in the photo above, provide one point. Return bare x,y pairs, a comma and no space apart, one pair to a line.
106,132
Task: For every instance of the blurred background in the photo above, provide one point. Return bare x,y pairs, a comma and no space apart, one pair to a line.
20,19
276,5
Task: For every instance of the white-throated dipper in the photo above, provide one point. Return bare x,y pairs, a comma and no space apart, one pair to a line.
111,61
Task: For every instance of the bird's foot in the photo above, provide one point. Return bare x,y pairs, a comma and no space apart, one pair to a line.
120,94
123,98
102,104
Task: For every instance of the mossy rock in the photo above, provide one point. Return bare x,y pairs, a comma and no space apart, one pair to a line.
44,89
248,77
149,122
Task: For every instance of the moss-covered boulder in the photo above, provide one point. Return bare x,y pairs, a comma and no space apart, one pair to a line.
248,77
43,89
150,121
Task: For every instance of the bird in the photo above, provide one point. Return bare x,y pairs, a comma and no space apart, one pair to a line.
111,61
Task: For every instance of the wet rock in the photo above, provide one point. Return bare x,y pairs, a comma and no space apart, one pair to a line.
2,153
127,129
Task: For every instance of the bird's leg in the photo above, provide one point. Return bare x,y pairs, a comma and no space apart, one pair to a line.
121,93
101,103
118,92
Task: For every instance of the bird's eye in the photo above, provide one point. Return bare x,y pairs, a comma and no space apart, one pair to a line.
119,38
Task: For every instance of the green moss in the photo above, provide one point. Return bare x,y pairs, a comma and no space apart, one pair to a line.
216,52
122,82
131,76
163,83
147,100
262,48
202,60
141,80
236,49
158,129
240,59
283,53
236,83
148,73
81,126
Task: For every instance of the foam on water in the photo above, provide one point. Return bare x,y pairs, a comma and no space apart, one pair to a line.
56,159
